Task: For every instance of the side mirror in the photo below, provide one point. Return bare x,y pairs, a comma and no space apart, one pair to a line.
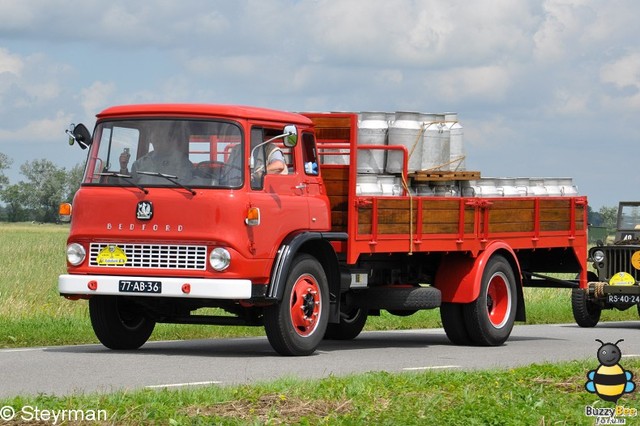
80,134
290,136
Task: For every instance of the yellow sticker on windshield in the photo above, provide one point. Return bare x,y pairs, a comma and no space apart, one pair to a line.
111,255
622,278
635,260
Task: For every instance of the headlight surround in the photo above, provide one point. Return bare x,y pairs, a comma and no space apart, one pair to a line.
219,259
76,254
598,256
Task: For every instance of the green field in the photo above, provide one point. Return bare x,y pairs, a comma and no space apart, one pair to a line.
33,314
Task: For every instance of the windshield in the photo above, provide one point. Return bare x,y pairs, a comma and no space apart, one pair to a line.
154,152
629,217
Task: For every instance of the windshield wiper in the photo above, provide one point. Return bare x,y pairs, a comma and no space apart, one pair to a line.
120,175
170,178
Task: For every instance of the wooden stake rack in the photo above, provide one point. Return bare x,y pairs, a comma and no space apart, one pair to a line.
438,176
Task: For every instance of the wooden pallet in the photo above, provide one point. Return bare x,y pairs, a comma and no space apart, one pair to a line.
431,176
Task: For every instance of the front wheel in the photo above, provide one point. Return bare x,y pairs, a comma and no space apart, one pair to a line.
118,323
297,324
490,318
585,312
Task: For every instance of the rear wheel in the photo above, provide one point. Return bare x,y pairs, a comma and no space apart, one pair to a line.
297,324
585,312
490,318
452,316
351,323
118,323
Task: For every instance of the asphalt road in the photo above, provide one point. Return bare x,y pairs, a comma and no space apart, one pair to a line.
88,368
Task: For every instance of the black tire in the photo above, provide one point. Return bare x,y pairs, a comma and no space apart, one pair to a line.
452,317
585,312
490,318
118,323
410,299
351,324
297,324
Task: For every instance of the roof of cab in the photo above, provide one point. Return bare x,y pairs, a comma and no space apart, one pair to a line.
203,111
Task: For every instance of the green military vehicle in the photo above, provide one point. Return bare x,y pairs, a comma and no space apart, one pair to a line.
616,282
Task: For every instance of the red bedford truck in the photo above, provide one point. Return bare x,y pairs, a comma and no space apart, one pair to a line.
300,253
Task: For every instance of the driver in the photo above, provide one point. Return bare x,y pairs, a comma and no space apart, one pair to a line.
166,158
275,161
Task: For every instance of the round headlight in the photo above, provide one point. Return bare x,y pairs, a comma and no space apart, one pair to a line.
598,256
219,259
75,254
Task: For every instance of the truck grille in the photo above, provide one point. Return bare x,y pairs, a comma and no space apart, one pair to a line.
154,256
618,259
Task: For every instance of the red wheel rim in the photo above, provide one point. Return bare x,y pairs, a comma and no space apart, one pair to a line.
498,300
305,305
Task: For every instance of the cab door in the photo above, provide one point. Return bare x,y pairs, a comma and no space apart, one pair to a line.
281,198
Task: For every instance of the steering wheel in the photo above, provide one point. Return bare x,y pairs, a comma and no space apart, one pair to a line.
209,169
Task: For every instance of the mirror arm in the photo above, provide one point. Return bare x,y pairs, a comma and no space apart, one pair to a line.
251,159
73,138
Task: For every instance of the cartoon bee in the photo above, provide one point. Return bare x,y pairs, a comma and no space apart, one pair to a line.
609,381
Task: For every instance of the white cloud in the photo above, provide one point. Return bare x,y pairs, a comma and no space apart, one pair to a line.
96,97
623,75
10,63
504,65
39,130
487,82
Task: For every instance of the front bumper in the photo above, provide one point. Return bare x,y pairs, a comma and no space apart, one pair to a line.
615,294
200,288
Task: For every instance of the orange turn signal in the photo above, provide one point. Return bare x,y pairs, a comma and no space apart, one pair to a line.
64,212
253,216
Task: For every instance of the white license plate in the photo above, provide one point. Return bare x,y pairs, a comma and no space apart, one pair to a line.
623,298
139,286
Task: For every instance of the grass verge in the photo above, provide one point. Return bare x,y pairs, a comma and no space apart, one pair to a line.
542,394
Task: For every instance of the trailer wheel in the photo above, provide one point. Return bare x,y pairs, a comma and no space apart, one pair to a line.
297,324
118,323
351,323
490,318
452,317
585,312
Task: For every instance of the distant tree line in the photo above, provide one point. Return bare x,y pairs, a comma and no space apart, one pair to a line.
37,197
46,186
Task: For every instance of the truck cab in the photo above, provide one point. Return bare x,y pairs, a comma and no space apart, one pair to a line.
178,211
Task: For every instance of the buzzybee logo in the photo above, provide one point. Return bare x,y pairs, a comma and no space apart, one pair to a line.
609,381
144,210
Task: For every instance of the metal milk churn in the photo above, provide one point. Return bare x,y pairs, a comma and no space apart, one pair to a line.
372,130
457,160
406,130
435,146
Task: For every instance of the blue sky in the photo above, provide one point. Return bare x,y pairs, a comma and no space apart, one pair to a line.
542,88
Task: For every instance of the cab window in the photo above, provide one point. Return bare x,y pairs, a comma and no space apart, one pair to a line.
269,158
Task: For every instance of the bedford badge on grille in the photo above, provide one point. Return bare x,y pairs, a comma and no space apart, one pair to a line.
145,210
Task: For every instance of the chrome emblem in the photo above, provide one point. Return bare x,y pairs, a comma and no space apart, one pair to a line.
145,210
